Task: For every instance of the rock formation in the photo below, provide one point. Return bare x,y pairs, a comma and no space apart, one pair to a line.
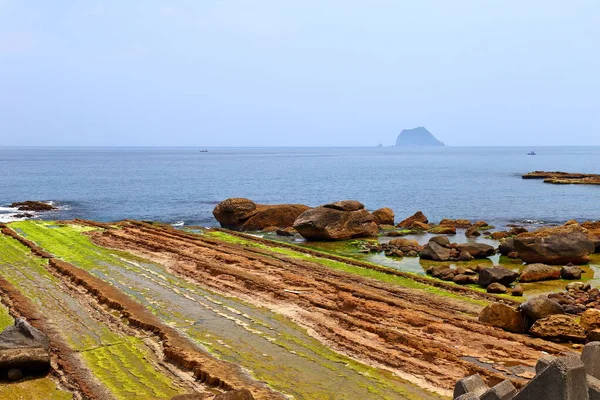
245,215
417,137
23,351
336,221
33,206
384,216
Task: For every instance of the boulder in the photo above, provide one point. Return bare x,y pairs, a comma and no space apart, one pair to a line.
555,246
473,231
590,319
345,205
500,235
456,223
441,240
570,272
24,348
541,307
240,394
507,246
477,250
329,223
465,256
410,221
443,230
503,316
499,274
434,251
558,327
384,216
402,242
517,291
496,287
246,215
462,279
539,272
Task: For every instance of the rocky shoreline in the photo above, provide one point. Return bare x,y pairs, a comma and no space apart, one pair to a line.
564,178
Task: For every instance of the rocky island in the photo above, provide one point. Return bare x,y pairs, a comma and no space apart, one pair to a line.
564,178
417,137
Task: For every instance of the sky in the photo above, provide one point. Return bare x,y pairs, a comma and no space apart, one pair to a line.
298,73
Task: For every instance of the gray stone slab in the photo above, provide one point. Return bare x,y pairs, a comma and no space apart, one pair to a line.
593,387
471,384
591,358
564,379
543,362
468,396
505,390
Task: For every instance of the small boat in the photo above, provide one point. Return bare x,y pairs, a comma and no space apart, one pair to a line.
178,224
531,153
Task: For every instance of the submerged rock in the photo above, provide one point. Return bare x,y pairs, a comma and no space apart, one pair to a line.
336,221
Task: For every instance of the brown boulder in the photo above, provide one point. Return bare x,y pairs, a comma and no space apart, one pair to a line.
244,214
505,276
345,205
570,272
558,327
541,307
500,235
507,246
555,246
384,216
402,242
517,291
434,251
327,223
240,394
505,317
477,250
410,222
443,230
590,319
496,287
539,272
473,231
457,223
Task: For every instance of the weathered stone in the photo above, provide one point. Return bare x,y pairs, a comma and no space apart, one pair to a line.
555,246
472,384
25,348
496,287
564,379
477,250
465,256
327,223
593,387
241,394
410,221
345,205
472,231
558,327
507,246
517,291
590,320
543,362
505,276
503,316
591,359
384,216
244,214
541,307
539,272
505,390
434,251
443,230
570,272
500,235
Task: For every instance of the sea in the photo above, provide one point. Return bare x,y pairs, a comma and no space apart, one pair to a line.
175,185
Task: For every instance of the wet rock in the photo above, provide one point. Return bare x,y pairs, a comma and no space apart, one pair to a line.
477,250
456,223
465,256
513,255
505,317
555,246
286,232
517,230
506,246
242,394
539,272
402,242
499,274
558,327
32,206
443,230
462,279
384,216
541,307
496,287
411,221
576,286
441,240
244,214
517,291
472,231
270,229
25,348
334,223
499,235
570,272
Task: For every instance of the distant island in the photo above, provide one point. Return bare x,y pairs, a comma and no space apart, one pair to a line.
417,137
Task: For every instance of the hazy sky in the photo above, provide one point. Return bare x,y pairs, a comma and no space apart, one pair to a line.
283,72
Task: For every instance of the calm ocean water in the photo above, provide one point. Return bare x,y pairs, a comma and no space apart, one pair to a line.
184,184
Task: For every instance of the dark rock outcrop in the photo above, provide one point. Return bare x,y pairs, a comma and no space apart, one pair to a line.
336,221
417,137
555,246
246,215
32,206
24,348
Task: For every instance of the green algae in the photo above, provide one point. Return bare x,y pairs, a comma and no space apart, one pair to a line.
34,389
126,356
340,266
6,319
267,345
